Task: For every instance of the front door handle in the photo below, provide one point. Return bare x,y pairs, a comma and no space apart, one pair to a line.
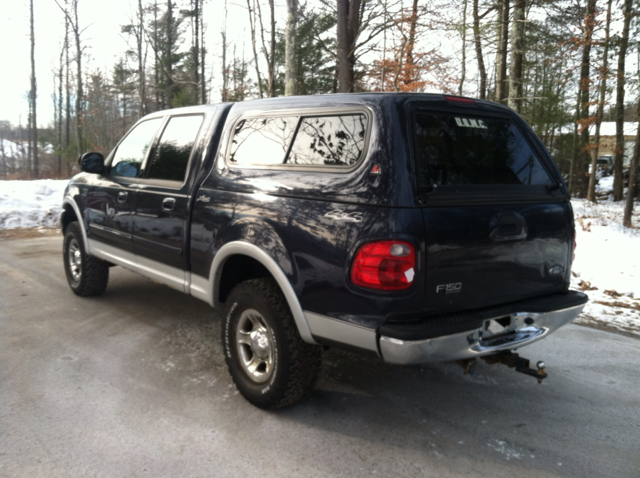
168,204
122,197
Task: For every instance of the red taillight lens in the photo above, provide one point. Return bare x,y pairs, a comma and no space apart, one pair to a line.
575,244
384,265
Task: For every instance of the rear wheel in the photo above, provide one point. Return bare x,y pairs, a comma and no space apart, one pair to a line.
87,275
268,360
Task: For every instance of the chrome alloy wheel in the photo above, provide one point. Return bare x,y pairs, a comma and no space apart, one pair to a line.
255,346
74,256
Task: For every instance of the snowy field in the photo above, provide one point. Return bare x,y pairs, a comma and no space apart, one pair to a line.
607,265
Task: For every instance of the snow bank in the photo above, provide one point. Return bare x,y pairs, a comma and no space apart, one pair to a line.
607,265
30,203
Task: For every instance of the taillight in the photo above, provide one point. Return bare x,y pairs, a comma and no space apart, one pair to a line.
384,265
575,244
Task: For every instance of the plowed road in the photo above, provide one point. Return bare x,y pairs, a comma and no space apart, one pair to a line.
133,383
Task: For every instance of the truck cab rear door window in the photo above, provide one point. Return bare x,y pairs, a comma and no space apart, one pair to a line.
457,150
170,158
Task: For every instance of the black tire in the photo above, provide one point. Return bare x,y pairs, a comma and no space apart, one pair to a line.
87,275
269,362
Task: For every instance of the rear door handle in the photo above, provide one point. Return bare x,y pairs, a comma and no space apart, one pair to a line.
168,204
122,197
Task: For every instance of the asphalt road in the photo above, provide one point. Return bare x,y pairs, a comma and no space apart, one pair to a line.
133,383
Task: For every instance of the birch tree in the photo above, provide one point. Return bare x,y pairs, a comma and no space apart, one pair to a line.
33,98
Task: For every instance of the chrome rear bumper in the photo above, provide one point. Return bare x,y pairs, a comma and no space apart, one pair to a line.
496,335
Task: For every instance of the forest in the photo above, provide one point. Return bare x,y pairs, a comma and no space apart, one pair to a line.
568,67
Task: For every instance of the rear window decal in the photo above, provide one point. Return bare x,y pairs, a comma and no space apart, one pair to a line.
470,123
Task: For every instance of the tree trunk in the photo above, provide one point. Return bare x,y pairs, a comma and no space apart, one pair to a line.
167,68
225,69
583,93
574,149
517,55
156,70
290,63
463,71
348,26
619,150
196,53
633,174
59,115
409,77
33,96
142,87
73,22
501,74
478,43
67,119
591,193
252,24
202,53
272,63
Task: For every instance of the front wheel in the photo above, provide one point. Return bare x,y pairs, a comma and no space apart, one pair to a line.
268,360
87,275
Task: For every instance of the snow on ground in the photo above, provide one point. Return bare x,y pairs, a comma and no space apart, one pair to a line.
30,203
607,265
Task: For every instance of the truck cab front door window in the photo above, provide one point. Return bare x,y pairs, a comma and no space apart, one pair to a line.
128,158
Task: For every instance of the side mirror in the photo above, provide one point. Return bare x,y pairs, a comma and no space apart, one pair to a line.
92,163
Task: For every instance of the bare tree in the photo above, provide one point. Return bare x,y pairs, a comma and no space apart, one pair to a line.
584,90
290,63
348,26
619,150
142,80
501,59
225,68
75,27
270,52
633,175
604,74
463,71
517,55
478,44
252,25
33,97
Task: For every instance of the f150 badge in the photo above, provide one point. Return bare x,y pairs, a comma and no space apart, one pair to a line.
453,288
203,198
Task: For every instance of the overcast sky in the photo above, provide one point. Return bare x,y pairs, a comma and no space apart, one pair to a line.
102,40
104,45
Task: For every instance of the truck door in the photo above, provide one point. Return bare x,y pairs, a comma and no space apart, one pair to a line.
110,202
162,199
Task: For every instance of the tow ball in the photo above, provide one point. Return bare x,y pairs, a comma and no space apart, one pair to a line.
511,360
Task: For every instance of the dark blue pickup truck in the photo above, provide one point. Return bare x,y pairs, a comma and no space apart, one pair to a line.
414,227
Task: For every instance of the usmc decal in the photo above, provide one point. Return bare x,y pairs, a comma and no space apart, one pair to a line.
470,123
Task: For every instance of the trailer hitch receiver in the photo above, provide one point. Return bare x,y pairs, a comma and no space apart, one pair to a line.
521,364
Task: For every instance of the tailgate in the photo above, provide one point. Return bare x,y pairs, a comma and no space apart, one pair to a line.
498,222
477,256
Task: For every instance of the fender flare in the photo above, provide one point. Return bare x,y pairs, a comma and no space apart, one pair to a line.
76,209
253,251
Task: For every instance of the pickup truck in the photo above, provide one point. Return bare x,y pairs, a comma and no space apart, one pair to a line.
414,227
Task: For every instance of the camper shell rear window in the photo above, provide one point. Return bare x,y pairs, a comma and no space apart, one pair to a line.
461,150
